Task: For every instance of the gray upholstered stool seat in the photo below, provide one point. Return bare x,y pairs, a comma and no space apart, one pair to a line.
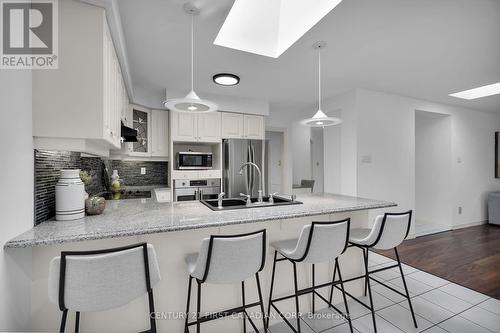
319,242
388,231
285,247
359,235
225,259
87,281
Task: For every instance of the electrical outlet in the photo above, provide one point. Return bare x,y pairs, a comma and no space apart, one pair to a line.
459,210
143,171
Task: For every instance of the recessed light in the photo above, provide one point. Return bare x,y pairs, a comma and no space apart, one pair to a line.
489,90
226,79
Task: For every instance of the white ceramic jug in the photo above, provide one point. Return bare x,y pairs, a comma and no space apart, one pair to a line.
70,196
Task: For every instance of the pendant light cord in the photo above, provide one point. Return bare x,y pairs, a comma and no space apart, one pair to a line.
192,52
319,78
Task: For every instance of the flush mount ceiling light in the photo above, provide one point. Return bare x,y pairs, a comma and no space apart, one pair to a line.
226,79
320,119
191,103
269,28
489,90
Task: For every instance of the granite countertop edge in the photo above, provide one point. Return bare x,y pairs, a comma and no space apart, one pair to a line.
54,240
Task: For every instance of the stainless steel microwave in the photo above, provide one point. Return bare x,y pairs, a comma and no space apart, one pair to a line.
191,160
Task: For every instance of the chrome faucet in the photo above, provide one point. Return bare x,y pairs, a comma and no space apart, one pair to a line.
271,197
248,197
259,199
219,200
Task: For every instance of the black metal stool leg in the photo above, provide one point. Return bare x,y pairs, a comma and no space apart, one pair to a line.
77,322
243,302
186,320
367,278
365,254
261,302
406,288
337,266
296,288
313,303
152,314
198,307
333,280
63,321
271,290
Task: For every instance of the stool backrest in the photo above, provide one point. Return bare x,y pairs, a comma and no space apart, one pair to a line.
103,279
390,230
231,258
322,241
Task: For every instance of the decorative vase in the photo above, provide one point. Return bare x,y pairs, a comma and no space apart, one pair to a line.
70,196
95,205
115,181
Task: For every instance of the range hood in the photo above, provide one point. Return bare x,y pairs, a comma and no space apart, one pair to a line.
128,134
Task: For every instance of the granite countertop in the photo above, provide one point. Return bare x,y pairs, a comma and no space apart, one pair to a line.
146,216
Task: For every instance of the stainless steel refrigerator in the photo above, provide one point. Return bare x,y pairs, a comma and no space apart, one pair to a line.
235,152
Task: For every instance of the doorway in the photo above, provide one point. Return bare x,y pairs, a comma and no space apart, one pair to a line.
275,161
433,188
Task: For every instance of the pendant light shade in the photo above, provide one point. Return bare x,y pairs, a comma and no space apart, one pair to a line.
192,103
320,119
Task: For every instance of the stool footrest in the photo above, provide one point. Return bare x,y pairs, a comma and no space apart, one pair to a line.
225,313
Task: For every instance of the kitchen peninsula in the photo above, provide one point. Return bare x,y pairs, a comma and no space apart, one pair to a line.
176,229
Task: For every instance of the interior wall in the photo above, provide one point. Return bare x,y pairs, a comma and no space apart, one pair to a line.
317,158
386,125
433,203
16,198
296,142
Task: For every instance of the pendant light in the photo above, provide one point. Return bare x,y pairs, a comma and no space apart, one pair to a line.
191,103
320,119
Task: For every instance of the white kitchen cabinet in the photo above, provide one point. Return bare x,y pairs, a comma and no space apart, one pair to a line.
253,127
184,126
79,105
196,127
232,125
209,126
142,123
159,133
242,126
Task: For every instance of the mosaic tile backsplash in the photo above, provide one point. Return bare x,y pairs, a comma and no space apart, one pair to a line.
49,163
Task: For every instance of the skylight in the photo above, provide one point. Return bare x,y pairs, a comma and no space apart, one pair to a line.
269,28
489,90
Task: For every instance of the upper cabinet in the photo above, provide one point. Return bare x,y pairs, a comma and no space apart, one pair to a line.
196,127
152,134
242,126
159,133
79,105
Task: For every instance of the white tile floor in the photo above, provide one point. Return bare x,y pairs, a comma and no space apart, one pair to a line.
440,306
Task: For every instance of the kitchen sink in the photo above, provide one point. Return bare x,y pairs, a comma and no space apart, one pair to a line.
238,203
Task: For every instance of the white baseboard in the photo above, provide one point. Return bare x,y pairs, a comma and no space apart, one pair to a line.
466,225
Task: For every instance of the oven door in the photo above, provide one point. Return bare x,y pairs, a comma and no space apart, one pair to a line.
207,193
186,194
191,160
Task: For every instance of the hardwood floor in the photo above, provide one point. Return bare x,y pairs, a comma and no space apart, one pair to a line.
468,256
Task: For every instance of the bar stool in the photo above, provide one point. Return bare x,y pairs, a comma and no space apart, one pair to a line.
225,259
318,242
388,232
87,281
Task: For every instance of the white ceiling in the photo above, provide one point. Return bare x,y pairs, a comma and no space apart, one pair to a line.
424,49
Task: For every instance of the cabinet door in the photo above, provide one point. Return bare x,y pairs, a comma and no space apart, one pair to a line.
254,127
232,125
159,133
141,122
209,127
184,126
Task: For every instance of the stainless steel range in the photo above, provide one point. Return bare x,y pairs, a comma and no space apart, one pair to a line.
199,189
